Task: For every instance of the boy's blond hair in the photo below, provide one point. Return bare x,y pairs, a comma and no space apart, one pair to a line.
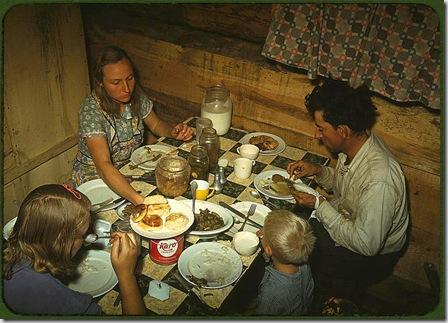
289,236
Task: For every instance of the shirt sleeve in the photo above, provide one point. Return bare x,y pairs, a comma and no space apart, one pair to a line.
325,178
91,120
373,219
146,106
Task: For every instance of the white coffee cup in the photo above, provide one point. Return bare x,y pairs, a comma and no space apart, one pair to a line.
245,243
242,167
248,151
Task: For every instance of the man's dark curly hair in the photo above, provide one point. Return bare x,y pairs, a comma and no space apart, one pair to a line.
342,105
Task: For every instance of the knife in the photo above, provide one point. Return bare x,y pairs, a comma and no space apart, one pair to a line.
118,200
241,215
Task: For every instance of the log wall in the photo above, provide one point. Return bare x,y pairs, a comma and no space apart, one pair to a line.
182,49
45,79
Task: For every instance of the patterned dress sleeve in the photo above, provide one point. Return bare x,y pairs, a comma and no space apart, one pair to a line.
145,106
92,122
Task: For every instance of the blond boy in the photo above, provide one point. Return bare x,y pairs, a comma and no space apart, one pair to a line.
287,285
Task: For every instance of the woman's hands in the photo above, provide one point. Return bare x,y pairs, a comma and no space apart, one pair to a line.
182,132
302,168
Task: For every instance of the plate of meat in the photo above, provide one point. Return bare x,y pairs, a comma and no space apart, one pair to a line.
269,144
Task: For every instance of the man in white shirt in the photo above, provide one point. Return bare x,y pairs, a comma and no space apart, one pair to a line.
362,230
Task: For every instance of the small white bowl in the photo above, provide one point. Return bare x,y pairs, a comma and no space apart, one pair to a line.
249,151
245,243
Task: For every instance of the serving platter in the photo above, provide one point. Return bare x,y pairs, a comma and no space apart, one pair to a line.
281,143
164,233
147,152
222,212
97,275
97,191
212,262
263,181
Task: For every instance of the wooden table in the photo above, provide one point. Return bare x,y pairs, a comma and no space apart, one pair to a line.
199,301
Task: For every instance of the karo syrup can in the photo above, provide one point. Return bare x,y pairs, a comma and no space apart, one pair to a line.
166,251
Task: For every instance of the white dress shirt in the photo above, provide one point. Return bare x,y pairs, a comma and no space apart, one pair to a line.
369,213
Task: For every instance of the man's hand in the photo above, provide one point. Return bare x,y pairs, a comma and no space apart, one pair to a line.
182,132
304,199
302,168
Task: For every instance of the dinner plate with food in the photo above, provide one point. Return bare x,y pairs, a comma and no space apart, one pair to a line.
276,184
96,274
161,218
210,265
147,157
210,218
269,144
98,192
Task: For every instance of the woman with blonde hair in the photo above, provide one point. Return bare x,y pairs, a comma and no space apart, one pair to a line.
52,223
112,121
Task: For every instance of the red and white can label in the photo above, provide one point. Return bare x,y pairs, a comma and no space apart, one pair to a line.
167,251
167,248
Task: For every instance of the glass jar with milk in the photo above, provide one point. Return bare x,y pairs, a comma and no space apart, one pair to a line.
217,106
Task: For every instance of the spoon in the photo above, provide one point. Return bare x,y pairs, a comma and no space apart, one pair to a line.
194,187
92,237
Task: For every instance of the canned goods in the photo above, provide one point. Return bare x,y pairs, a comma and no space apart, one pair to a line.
166,251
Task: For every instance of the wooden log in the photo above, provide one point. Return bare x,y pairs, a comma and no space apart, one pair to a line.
243,21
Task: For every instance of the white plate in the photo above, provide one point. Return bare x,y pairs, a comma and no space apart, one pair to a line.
260,214
97,191
97,274
281,143
141,154
265,178
224,213
7,229
164,233
212,261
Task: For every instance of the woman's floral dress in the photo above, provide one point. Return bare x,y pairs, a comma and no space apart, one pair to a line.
123,135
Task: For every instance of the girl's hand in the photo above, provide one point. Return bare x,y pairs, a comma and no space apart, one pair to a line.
182,132
123,254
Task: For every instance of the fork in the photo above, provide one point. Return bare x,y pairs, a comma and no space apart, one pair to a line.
145,161
250,213
100,204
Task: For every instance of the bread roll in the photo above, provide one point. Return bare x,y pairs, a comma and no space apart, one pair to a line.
139,212
155,199
176,221
151,222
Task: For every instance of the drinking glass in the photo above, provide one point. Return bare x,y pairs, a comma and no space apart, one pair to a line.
202,123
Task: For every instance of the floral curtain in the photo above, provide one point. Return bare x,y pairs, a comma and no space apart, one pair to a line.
392,48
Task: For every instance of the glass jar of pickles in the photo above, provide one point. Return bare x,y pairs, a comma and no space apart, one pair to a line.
198,160
172,175
210,140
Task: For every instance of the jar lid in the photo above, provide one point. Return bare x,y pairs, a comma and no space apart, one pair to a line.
173,164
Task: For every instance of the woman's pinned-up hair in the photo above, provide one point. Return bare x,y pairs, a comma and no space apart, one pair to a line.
50,219
112,55
289,236
343,105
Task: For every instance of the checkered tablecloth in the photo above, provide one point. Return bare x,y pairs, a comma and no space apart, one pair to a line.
196,301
